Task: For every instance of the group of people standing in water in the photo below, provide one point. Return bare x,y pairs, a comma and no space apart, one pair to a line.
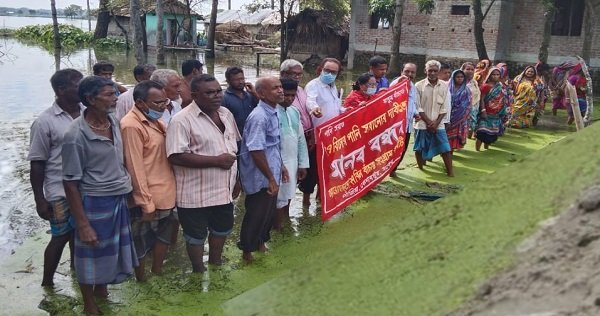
116,171
482,101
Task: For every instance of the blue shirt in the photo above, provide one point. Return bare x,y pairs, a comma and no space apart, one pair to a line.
239,107
261,133
382,83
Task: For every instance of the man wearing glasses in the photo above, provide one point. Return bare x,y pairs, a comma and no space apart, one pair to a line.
152,178
201,146
324,103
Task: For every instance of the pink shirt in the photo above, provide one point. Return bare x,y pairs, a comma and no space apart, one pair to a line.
300,104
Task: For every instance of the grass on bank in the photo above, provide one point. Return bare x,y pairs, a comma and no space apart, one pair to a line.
430,261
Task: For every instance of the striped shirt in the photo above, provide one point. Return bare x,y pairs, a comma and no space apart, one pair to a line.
192,131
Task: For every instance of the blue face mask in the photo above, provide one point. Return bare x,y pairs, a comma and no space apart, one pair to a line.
154,115
371,91
327,78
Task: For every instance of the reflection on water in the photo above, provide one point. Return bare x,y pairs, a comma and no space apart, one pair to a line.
26,91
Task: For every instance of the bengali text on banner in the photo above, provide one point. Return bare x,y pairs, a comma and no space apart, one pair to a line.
359,148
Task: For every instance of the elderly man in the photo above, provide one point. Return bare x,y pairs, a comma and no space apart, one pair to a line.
201,145
261,168
172,83
433,101
240,97
190,69
409,72
47,133
151,174
293,69
125,101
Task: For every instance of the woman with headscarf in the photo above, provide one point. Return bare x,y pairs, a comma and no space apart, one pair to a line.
542,70
494,104
528,89
481,71
508,87
362,90
578,80
461,109
96,185
557,84
469,69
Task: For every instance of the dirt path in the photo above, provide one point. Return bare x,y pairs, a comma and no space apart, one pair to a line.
557,271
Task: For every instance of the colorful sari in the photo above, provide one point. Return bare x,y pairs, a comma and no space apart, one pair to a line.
527,96
461,109
495,102
558,83
507,84
481,71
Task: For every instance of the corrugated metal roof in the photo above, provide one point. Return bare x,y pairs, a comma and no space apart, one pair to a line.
246,18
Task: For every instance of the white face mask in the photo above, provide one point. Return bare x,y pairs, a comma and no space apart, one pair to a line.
371,91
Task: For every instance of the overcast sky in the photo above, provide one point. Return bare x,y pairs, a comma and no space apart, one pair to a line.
45,4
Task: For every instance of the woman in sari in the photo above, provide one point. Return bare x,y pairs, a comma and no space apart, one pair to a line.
461,109
469,69
558,83
481,71
577,79
542,70
494,104
528,89
509,91
96,185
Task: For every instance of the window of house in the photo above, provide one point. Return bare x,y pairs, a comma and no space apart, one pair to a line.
568,17
378,22
460,10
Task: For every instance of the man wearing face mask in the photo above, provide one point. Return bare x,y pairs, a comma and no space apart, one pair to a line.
152,177
323,103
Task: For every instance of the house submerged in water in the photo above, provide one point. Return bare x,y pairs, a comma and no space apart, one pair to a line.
176,19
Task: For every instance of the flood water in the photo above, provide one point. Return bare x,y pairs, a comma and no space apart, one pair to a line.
26,91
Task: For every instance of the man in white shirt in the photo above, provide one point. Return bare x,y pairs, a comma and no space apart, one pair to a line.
433,101
125,101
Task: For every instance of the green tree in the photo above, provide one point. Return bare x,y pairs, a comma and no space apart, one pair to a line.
73,10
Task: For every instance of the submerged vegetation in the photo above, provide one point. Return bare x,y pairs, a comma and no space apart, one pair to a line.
70,37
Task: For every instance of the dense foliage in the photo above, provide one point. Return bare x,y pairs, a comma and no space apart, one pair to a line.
70,36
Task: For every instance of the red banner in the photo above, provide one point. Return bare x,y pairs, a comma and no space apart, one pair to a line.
359,148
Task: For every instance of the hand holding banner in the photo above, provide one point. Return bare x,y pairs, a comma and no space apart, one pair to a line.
359,148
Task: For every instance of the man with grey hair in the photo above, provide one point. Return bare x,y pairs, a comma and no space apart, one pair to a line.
433,101
293,69
261,168
170,79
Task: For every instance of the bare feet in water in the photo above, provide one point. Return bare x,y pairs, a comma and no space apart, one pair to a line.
247,257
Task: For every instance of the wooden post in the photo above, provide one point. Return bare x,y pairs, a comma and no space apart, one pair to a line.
572,94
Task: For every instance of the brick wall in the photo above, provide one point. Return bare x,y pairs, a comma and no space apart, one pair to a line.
527,28
513,32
